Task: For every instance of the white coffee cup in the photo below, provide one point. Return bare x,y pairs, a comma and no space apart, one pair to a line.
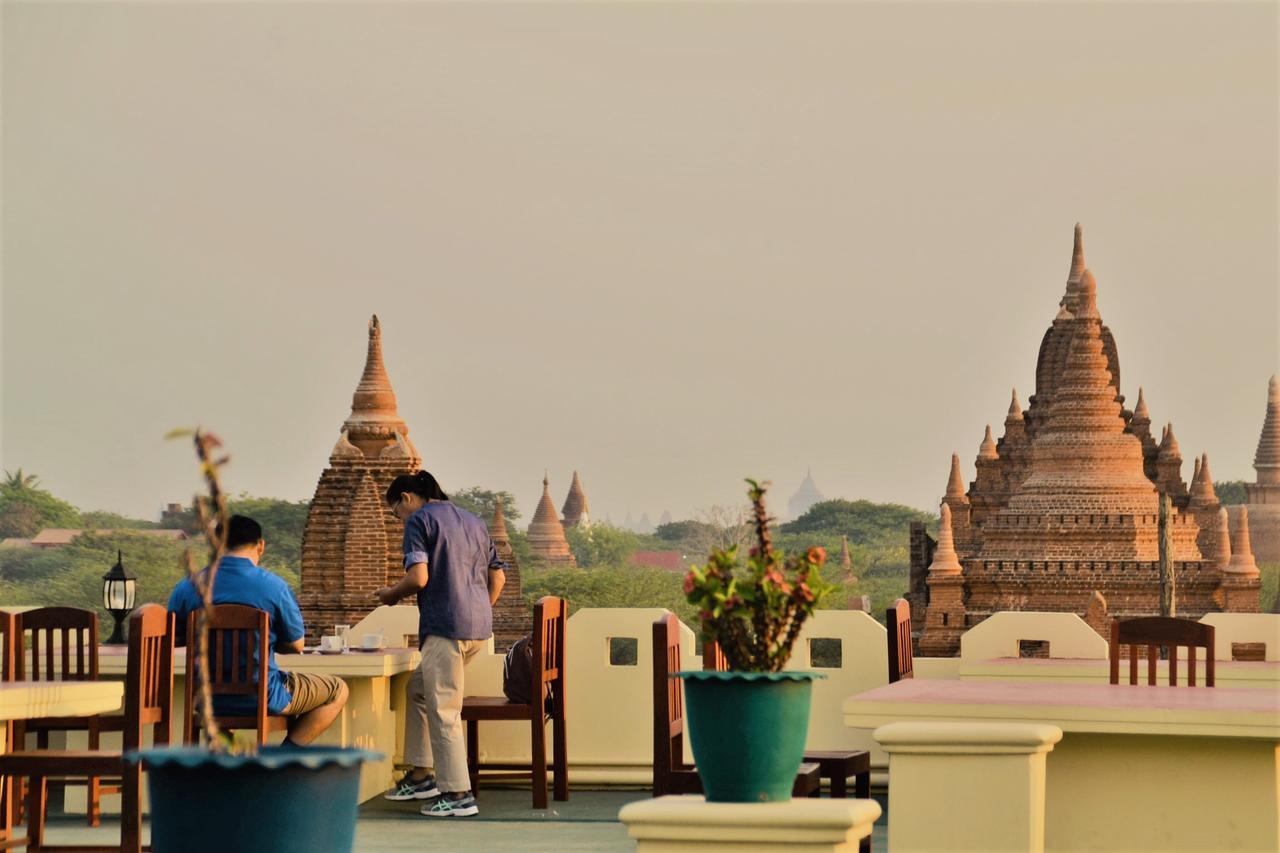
370,641
331,644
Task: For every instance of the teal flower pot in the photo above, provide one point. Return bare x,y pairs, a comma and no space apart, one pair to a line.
748,731
281,799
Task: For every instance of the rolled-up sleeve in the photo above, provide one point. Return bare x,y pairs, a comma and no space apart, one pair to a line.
415,541
496,563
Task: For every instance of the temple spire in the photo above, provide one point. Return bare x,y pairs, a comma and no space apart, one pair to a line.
1140,410
575,510
1015,408
1222,558
498,526
1267,460
987,450
1077,255
846,559
945,561
1242,563
374,422
955,482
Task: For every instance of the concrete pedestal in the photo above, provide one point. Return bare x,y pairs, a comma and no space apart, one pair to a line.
689,823
967,786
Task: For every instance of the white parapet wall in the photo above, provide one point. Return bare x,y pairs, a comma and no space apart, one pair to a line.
1230,628
999,634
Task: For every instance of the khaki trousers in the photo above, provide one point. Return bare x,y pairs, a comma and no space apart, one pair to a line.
433,731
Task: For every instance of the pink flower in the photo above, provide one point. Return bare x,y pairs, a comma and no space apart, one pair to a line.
817,555
689,583
804,593
706,615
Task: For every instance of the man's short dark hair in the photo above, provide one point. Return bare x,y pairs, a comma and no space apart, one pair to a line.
241,531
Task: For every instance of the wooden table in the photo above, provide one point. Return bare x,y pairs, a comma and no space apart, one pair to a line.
1138,768
27,700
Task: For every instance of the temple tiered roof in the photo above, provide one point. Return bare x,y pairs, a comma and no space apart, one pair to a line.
575,509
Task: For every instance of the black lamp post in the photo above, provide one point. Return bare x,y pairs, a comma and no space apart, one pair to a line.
118,590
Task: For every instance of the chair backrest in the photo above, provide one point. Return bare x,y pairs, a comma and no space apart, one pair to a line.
713,656
148,688
56,644
548,651
668,703
897,622
1155,632
239,638
8,636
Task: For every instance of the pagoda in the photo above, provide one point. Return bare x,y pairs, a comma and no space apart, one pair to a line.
1063,513
805,497
575,511
546,533
351,545
1264,494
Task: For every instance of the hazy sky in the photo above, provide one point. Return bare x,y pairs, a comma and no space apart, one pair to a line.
666,245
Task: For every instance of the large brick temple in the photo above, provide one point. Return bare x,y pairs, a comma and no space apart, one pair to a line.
1063,514
351,545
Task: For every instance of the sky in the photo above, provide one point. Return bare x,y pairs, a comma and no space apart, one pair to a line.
668,246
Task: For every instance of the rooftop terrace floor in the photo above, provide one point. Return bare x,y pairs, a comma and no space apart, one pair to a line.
587,822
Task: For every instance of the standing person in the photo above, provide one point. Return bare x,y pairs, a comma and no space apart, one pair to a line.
451,564
311,701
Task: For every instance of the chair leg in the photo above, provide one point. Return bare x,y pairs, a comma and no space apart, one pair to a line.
561,757
37,801
839,786
131,810
93,791
538,760
473,756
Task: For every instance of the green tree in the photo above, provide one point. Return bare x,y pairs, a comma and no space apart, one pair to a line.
1231,492
25,509
602,545
481,502
862,521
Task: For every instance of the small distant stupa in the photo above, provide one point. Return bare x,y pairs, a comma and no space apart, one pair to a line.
805,497
576,511
546,533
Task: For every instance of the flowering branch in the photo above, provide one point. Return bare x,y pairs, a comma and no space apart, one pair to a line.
756,617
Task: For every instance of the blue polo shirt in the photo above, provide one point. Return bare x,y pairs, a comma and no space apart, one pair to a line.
239,581
458,552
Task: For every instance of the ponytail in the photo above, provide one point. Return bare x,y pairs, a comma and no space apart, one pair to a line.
422,484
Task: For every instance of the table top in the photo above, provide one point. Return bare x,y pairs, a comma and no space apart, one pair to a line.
24,700
1226,673
1106,708
352,664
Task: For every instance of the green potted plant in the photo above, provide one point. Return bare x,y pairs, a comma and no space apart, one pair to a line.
228,794
748,725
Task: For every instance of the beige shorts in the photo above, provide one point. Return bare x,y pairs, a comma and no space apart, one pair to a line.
311,691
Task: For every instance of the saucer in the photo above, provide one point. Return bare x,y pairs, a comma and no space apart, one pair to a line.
324,651
370,648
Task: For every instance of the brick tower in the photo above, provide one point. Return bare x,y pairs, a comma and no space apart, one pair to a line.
1063,514
351,545
546,534
511,616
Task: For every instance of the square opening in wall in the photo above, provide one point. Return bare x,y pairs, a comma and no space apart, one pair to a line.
624,651
825,653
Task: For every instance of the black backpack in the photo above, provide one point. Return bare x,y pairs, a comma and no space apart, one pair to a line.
517,673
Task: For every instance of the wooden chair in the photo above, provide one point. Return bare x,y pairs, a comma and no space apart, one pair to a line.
548,674
239,639
61,644
9,817
148,700
670,774
1155,632
897,622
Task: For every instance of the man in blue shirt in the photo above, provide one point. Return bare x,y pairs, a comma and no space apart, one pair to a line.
313,701
452,566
